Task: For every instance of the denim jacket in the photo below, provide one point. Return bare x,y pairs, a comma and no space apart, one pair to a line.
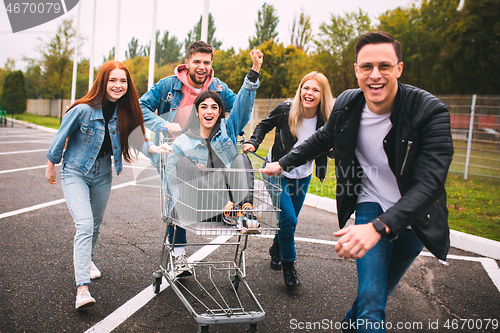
166,95
224,142
84,126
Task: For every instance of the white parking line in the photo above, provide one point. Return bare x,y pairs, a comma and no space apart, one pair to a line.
32,208
25,169
52,203
490,265
38,135
121,314
23,151
45,142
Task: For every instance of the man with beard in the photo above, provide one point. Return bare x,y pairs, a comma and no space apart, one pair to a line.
173,96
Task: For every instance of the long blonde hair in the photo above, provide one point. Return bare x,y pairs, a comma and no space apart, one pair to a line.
325,105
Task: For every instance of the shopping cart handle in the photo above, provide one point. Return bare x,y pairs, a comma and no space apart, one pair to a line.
164,129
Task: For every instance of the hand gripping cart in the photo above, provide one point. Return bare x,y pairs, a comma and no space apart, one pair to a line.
234,203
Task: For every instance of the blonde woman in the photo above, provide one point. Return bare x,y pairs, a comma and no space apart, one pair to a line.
294,123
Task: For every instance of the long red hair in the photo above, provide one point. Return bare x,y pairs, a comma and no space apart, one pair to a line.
129,111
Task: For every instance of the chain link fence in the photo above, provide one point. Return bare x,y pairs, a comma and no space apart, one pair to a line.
475,125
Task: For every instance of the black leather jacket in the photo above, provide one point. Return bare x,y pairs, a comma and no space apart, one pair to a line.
419,149
283,138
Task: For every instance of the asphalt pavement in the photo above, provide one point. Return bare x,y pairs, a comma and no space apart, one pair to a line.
37,292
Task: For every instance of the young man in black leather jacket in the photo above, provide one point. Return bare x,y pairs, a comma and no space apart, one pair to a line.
393,148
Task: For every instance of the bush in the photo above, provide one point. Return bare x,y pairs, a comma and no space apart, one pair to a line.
14,93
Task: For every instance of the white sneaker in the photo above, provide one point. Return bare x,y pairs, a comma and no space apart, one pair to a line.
94,272
84,300
182,266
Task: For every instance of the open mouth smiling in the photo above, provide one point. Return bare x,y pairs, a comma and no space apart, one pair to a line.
376,86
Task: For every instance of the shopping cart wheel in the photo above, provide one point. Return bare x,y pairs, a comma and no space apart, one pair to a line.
235,280
203,328
156,282
251,328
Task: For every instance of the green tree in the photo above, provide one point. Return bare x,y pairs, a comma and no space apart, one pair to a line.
139,71
301,32
265,26
82,78
14,93
133,49
111,55
33,79
422,32
226,65
10,65
169,50
335,48
56,63
472,49
275,74
195,34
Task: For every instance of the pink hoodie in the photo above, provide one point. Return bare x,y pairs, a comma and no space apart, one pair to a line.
189,94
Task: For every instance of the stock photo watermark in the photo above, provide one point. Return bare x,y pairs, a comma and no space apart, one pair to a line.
24,14
431,325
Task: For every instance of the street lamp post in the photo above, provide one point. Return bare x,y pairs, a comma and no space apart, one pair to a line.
12,106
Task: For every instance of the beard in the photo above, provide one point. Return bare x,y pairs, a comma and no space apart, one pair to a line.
197,80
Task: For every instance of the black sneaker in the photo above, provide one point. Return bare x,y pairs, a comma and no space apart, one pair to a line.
274,251
290,276
230,216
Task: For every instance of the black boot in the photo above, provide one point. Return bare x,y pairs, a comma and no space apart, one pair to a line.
274,251
290,275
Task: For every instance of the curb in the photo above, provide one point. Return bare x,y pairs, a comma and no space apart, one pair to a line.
29,125
460,240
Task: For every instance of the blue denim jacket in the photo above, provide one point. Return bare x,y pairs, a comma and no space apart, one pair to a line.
224,142
166,95
84,126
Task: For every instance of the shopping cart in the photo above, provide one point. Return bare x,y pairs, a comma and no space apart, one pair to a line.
231,202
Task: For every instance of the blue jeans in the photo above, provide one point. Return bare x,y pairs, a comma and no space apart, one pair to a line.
379,272
180,236
292,198
87,197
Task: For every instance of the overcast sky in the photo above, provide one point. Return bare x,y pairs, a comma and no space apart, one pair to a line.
234,20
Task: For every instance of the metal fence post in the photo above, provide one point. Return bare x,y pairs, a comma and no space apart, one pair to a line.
469,139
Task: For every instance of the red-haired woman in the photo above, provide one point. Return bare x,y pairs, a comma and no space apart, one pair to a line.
95,129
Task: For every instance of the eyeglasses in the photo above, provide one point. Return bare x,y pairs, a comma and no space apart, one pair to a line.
384,69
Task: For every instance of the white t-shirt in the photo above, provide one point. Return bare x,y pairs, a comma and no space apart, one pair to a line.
379,183
305,129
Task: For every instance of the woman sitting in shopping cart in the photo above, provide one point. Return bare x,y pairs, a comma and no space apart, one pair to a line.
210,140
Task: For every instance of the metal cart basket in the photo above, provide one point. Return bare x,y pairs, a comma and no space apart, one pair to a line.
235,202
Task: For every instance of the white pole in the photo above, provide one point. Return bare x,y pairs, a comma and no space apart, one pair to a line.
204,22
152,48
117,44
92,44
75,56
469,140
